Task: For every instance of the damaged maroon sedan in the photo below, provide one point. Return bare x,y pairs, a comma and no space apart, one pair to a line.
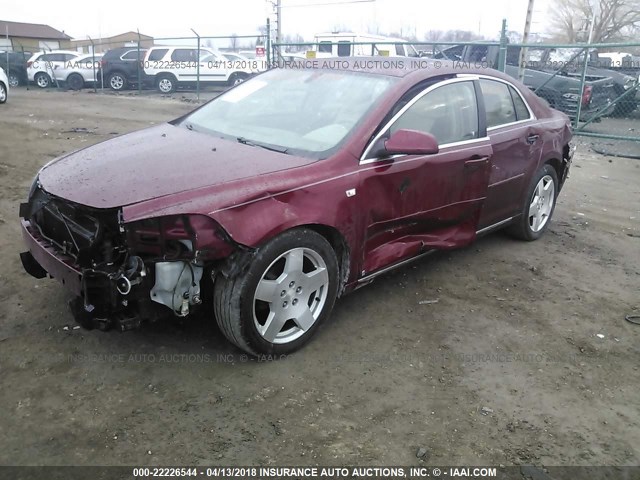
290,190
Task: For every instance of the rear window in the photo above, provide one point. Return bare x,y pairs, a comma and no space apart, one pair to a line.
132,55
184,55
158,54
497,103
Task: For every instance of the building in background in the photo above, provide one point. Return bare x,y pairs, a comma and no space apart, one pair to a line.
31,37
101,45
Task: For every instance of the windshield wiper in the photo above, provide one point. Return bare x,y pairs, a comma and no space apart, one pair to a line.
251,143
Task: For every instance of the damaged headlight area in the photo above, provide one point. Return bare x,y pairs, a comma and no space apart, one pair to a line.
122,273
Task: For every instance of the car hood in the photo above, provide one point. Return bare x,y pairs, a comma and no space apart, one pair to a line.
156,162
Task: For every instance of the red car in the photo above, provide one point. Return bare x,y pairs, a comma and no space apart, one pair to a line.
290,190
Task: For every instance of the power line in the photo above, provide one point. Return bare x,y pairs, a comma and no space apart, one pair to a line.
327,3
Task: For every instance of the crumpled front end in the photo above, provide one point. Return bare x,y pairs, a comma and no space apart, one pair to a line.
121,274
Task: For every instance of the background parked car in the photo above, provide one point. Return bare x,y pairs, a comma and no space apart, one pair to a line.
41,65
572,61
238,60
122,67
79,71
170,67
4,86
563,92
15,66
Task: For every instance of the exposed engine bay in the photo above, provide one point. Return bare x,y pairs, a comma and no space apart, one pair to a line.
127,270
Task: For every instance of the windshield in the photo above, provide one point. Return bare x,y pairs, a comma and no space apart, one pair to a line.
307,112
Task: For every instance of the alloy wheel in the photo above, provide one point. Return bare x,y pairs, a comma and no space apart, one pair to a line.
116,82
290,295
165,85
541,203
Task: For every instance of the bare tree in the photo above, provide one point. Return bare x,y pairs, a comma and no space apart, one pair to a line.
233,42
615,20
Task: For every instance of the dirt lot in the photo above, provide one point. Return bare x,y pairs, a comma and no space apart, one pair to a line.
533,332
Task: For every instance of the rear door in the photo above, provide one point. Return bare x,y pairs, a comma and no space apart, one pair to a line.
184,63
516,148
419,202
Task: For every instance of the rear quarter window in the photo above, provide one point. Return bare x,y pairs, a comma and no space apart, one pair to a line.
132,55
522,112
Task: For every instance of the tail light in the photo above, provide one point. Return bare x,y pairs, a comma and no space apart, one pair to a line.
29,64
103,63
586,95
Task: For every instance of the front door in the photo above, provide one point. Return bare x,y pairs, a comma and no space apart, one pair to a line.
420,202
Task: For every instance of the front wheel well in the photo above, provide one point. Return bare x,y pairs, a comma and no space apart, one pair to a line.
340,246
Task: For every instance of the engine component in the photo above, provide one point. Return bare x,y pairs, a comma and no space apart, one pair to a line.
177,286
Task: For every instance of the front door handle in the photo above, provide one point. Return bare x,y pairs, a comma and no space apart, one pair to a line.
531,139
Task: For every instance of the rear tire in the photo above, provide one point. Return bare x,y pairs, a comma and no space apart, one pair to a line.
278,302
42,80
3,93
237,78
75,81
166,83
538,206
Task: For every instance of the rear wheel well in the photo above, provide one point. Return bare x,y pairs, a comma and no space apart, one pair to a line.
558,166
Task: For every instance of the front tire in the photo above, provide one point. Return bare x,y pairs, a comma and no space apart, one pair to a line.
539,205
287,290
117,81
3,93
43,80
75,81
14,79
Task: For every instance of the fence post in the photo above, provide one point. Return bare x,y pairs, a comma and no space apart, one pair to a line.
583,77
502,54
140,66
93,65
268,43
197,67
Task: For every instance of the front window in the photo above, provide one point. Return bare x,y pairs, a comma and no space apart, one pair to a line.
307,112
449,113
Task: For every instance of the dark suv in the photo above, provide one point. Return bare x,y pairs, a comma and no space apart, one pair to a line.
121,67
15,66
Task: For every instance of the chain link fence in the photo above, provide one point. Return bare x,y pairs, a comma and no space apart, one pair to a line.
596,85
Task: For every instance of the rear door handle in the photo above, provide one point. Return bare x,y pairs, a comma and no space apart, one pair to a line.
475,161
531,139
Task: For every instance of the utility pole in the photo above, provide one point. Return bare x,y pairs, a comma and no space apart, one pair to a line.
525,40
279,21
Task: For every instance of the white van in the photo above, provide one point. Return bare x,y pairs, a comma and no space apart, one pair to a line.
341,44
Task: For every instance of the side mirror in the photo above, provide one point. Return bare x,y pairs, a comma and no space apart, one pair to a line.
411,142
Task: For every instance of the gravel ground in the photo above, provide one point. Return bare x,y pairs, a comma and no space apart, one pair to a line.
525,358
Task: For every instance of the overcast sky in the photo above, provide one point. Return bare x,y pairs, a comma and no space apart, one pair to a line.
161,19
